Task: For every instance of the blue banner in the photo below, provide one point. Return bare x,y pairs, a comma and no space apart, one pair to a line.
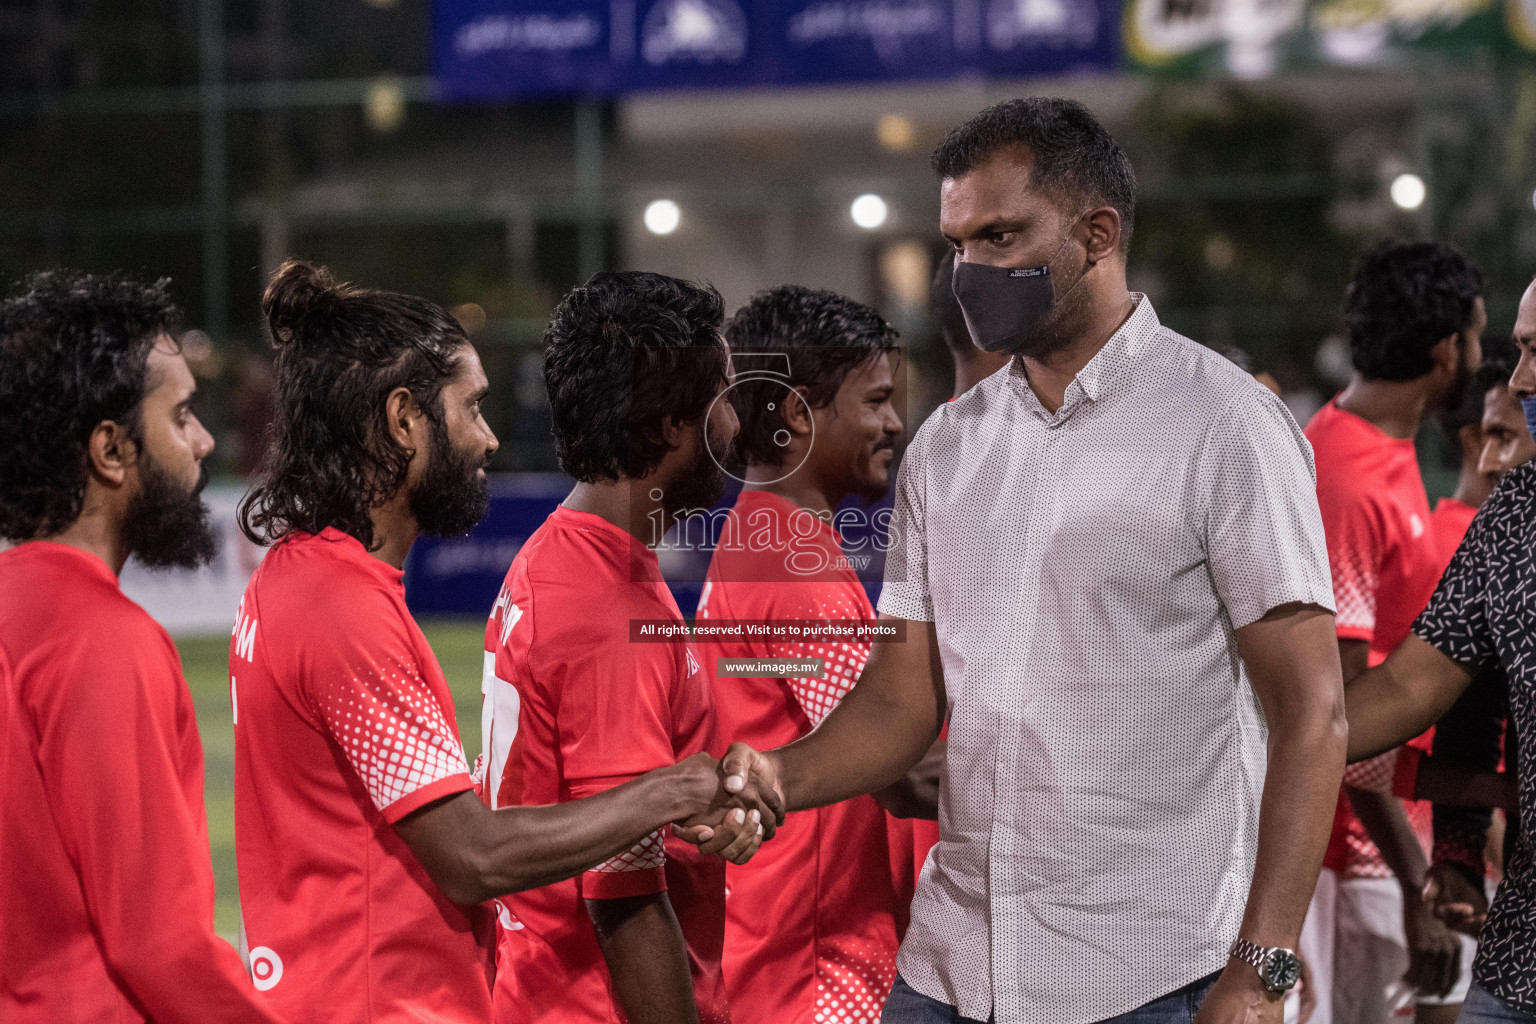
461,576
496,49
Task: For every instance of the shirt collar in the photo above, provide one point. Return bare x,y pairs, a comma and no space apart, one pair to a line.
60,555
341,544
1106,372
624,546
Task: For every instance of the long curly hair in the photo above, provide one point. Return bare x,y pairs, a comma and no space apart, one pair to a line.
341,350
73,352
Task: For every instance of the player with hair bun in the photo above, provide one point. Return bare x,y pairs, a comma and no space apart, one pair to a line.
365,855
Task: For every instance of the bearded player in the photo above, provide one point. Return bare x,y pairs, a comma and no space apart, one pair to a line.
106,897
364,853
814,921
580,696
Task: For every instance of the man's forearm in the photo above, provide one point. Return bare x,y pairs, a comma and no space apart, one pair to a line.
1400,698
647,958
1306,764
882,728
1384,820
916,793
867,743
870,740
476,854
1468,745
536,846
1469,794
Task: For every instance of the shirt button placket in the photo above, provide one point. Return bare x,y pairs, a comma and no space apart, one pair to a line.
1040,511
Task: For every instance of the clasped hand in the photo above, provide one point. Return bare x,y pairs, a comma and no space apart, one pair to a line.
748,806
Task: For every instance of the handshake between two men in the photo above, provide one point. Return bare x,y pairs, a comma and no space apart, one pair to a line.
744,809
749,804
880,739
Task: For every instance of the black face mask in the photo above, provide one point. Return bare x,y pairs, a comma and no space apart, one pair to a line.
1005,306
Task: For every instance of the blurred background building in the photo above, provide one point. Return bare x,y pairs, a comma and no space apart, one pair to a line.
489,154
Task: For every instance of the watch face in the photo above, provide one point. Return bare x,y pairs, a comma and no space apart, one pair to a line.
1281,970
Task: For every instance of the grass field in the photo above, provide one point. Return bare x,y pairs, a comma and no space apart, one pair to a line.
206,661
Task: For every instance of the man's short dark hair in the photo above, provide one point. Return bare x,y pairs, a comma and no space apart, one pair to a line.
1076,162
1499,357
623,352
826,336
1402,299
74,349
341,350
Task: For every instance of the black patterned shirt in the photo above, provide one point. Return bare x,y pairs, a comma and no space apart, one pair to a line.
1484,614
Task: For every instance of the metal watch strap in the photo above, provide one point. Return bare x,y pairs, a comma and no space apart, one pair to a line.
1263,960
1249,954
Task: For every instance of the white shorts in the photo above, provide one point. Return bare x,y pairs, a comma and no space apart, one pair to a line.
1353,941
1316,948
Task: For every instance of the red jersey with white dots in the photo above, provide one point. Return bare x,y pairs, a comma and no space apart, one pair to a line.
344,724
1384,554
106,890
813,922
573,707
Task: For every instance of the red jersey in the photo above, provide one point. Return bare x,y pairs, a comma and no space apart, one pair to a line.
572,708
1452,520
8,720
814,920
106,897
344,725
1384,556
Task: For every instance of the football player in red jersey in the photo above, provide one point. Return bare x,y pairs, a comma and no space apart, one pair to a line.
1415,315
364,853
106,898
813,923
589,681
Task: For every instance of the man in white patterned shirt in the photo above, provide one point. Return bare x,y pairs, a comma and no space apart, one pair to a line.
1111,571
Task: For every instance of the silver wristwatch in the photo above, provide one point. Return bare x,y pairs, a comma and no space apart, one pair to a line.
1278,967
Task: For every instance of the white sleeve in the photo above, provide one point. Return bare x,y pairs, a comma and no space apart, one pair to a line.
905,594
1264,534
